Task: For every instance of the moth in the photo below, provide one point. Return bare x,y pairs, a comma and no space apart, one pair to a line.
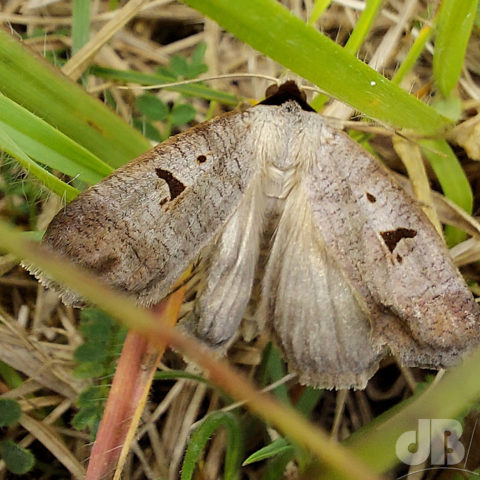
273,200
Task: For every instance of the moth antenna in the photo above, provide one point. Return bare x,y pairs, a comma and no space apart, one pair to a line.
313,89
372,126
206,79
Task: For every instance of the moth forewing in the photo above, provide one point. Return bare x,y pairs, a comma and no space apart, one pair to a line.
141,227
353,267
419,304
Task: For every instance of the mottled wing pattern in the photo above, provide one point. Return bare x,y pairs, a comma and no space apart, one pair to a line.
378,236
141,227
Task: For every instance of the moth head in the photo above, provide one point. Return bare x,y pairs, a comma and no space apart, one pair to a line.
288,91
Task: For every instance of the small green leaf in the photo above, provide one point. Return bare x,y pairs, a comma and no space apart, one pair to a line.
95,324
10,412
97,359
195,70
148,130
179,65
90,396
182,113
280,445
85,417
18,460
152,107
199,53
91,352
166,74
9,375
89,370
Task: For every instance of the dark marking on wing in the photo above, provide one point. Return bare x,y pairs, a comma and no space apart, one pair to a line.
106,264
201,158
392,237
175,186
371,198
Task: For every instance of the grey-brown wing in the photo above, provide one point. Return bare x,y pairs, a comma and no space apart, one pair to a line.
418,303
316,316
141,227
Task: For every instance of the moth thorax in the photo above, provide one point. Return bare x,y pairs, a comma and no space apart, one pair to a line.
278,182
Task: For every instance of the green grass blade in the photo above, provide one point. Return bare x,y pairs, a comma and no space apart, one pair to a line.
50,181
354,42
35,84
194,89
415,51
318,59
319,7
308,400
452,178
280,445
202,435
178,374
273,369
46,145
363,26
454,26
80,24
451,397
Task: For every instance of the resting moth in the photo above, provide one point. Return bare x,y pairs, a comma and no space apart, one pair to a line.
353,268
